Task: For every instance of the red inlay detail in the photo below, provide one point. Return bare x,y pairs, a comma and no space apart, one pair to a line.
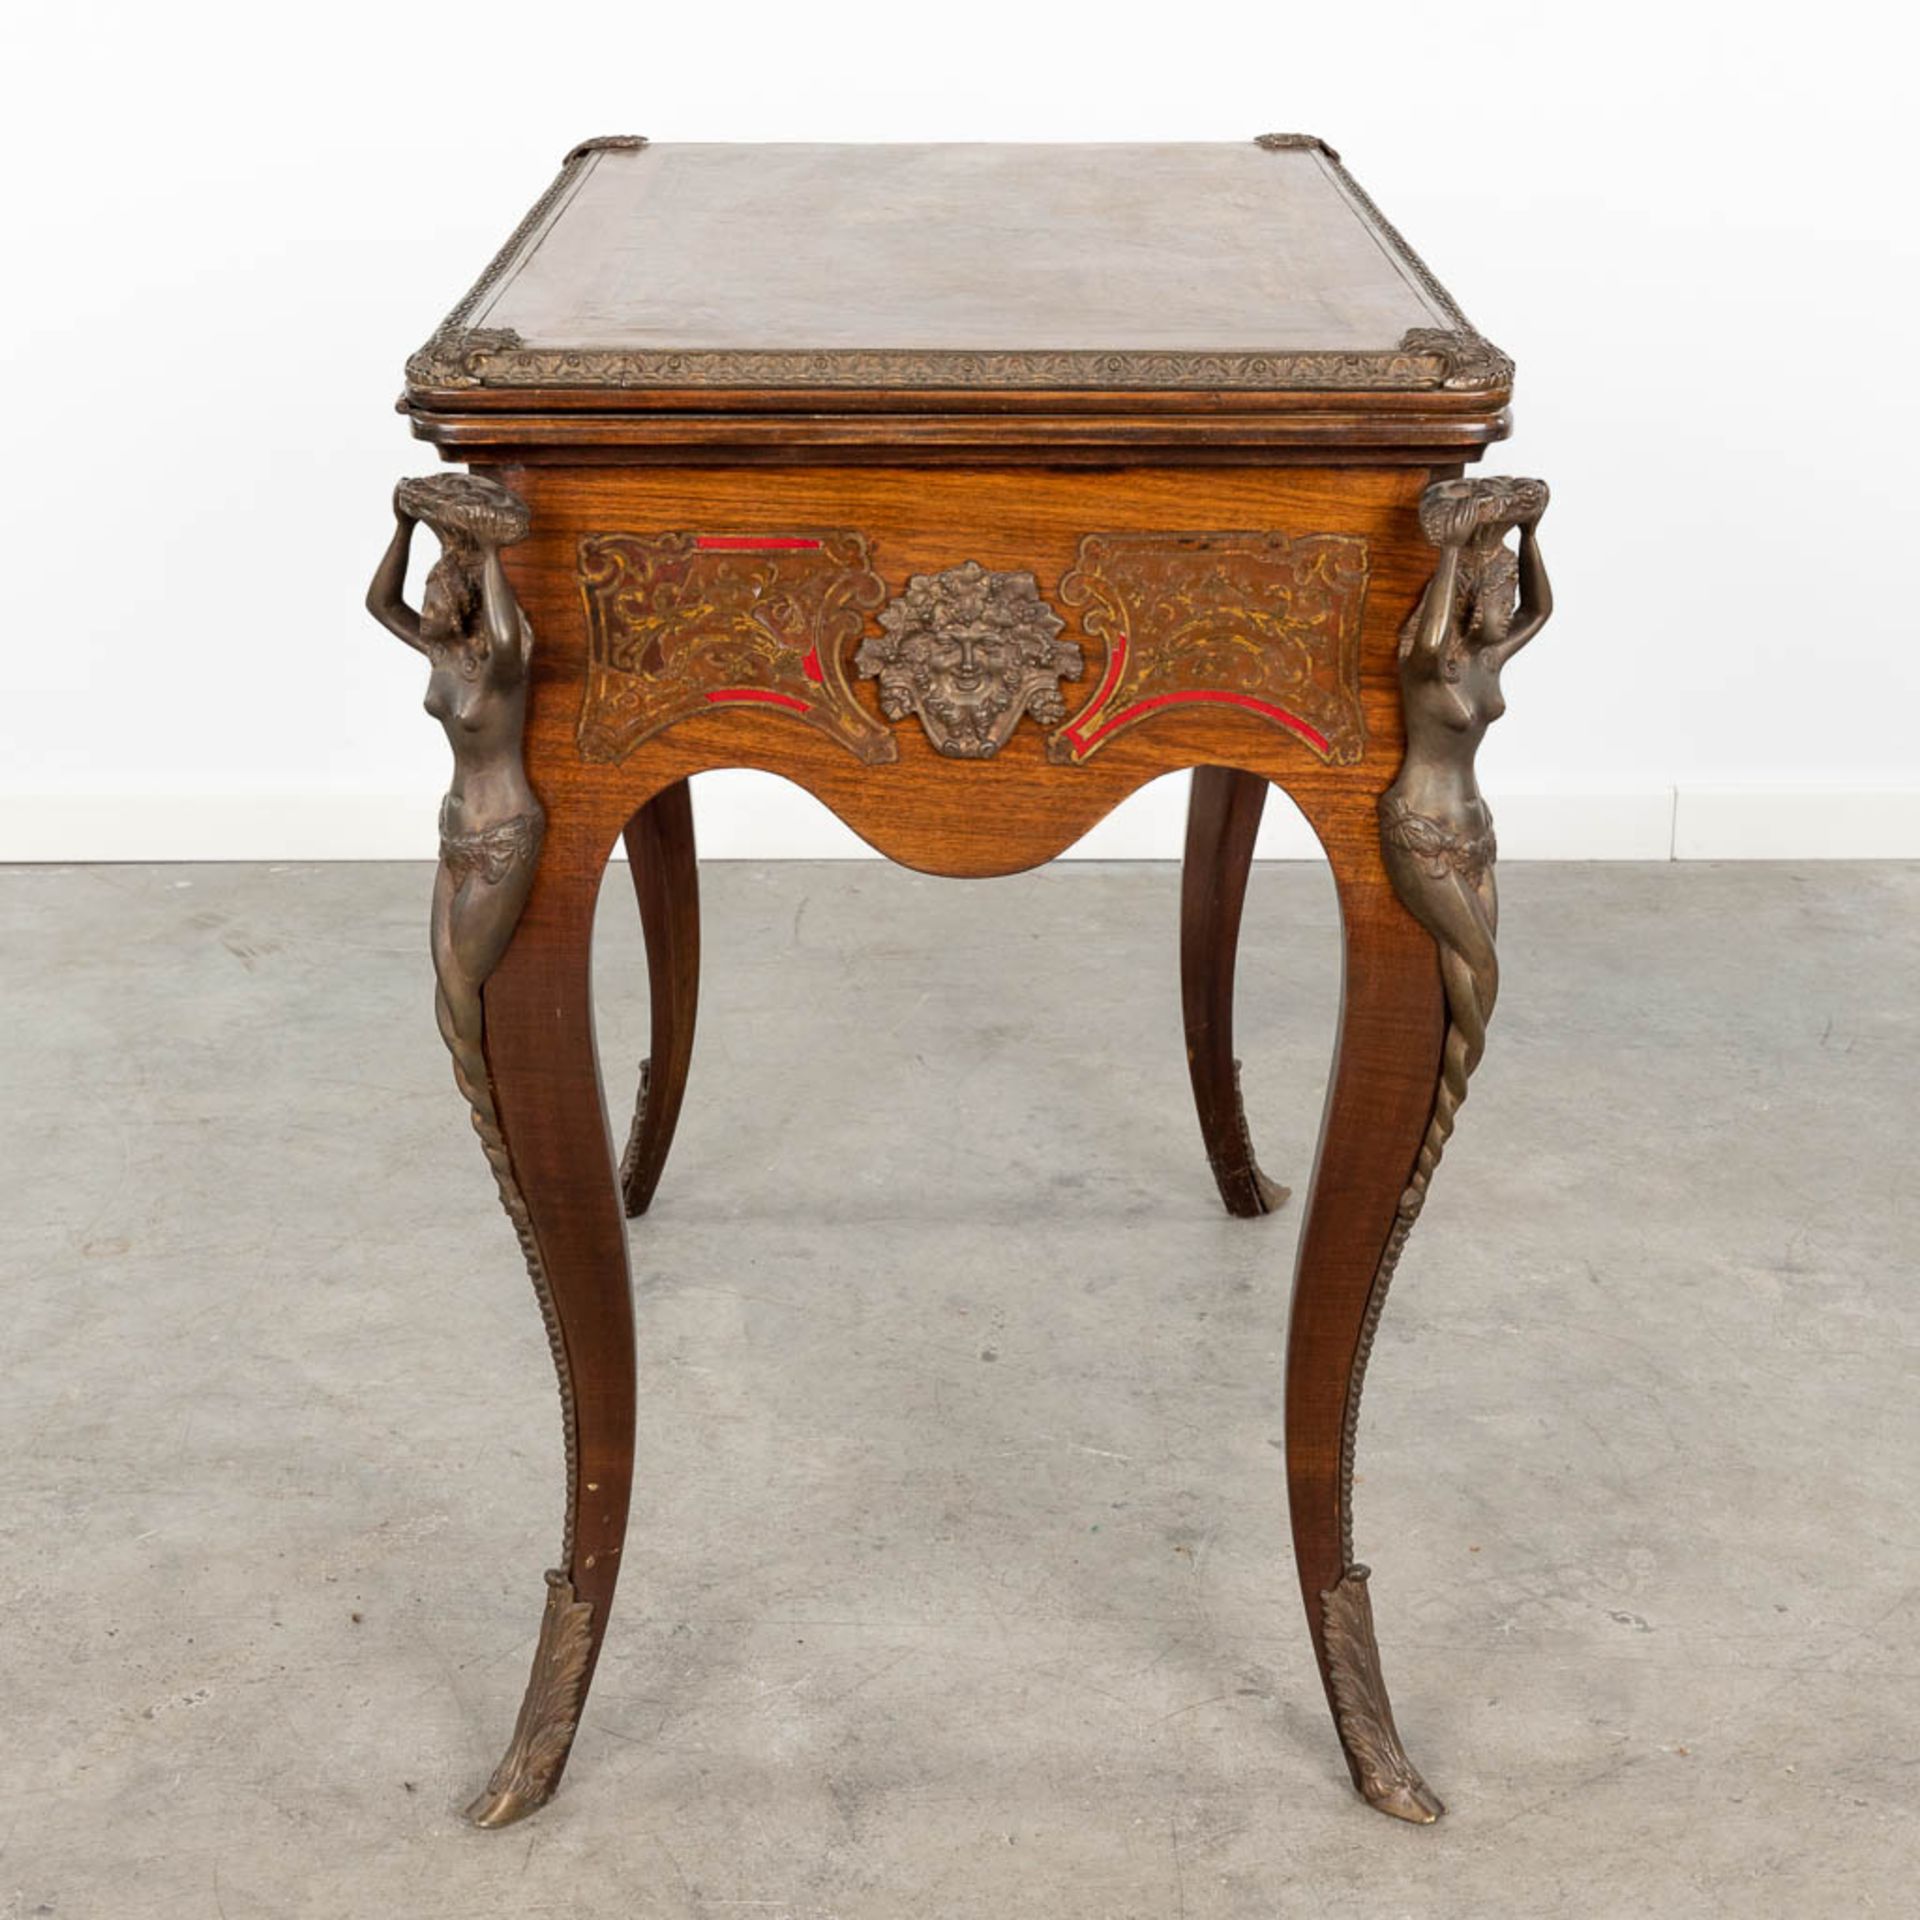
761,696
1116,662
810,666
750,543
1200,697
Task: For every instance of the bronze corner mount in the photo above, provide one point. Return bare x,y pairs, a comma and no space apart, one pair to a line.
455,356
606,143
1469,363
1294,143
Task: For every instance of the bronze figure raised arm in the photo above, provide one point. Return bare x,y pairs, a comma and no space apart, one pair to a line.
1482,605
471,628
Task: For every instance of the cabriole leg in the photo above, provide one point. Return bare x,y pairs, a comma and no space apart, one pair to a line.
511,936
660,854
546,1083
1378,1105
1420,916
1223,817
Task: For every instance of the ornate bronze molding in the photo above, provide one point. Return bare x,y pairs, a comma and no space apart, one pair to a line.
1249,620
549,1713
682,623
1469,363
1294,143
1361,1709
970,651
458,353
458,356
1423,274
606,143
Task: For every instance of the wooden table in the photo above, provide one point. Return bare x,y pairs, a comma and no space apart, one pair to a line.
970,488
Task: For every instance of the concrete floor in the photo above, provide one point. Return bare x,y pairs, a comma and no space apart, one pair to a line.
959,1582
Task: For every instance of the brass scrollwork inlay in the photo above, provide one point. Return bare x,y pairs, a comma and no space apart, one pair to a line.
684,623
1257,622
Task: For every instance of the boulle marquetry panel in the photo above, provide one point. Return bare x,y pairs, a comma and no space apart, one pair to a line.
684,623
1254,621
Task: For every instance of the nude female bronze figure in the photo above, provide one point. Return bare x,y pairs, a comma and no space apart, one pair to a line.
1483,604
1435,828
471,628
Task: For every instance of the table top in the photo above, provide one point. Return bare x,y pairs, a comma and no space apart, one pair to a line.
1258,268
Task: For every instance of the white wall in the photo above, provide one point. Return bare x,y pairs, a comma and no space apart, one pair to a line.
1692,226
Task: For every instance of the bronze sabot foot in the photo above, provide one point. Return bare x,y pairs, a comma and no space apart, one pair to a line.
529,1771
639,1167
1384,1775
1245,1188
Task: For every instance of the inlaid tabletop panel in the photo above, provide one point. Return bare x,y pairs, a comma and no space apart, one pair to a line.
1246,266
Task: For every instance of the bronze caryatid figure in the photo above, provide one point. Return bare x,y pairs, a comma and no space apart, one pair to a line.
472,630
1483,604
479,642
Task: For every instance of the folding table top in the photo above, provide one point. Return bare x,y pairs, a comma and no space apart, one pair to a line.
801,276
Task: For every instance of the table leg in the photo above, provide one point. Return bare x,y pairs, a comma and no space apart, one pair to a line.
1420,911
660,853
554,1163
1223,816
1369,1175
512,929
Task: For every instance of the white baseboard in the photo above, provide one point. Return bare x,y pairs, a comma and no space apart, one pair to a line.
753,816
95,827
1796,823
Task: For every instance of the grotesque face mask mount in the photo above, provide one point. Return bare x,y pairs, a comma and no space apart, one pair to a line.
970,651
